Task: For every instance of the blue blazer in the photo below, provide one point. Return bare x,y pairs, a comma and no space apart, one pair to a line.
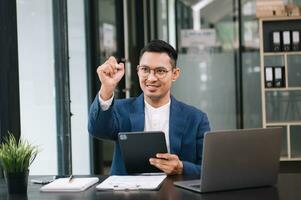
187,126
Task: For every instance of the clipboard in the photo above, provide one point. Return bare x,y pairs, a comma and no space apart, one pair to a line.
138,147
64,185
143,182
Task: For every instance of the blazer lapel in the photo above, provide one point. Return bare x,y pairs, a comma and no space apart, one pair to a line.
177,126
137,114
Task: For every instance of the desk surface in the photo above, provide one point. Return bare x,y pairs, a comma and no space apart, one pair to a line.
288,188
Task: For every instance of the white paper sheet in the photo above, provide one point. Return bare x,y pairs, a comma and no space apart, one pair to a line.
131,182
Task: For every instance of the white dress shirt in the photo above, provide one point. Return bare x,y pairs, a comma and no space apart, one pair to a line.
157,119
105,105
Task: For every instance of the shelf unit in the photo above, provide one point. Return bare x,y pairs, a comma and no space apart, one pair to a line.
282,106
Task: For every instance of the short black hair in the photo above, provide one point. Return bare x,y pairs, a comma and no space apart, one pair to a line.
161,46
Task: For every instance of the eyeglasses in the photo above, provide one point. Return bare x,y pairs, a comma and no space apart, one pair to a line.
159,72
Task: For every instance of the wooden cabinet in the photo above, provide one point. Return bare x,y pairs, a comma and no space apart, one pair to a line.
281,104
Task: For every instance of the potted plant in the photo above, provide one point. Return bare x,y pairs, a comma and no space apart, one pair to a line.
15,158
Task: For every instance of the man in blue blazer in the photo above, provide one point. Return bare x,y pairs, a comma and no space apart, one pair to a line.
154,110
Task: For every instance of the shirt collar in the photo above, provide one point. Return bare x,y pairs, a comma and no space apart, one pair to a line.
149,107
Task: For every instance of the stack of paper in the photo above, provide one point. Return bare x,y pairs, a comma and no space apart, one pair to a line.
64,185
131,183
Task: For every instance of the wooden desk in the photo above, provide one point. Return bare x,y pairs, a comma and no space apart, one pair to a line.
288,188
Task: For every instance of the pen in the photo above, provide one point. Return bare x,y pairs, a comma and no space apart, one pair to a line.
60,176
40,181
70,178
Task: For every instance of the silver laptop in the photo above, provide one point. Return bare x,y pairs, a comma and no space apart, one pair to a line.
238,159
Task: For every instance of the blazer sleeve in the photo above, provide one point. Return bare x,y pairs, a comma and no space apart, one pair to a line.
190,168
102,124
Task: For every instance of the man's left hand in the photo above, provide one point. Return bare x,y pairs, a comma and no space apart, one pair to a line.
168,163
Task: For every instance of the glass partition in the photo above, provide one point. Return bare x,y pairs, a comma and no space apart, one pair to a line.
207,46
294,72
295,141
108,43
282,106
78,87
251,65
36,79
284,144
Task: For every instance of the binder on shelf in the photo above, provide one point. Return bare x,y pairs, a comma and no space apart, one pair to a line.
286,39
279,80
268,77
276,44
296,40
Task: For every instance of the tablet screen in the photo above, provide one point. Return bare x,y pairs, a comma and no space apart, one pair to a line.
138,147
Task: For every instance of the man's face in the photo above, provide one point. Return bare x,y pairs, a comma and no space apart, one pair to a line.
157,84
